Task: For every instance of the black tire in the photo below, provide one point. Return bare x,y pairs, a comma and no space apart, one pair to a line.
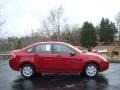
38,75
90,70
25,73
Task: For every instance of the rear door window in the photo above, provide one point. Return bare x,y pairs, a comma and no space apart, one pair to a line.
42,48
45,48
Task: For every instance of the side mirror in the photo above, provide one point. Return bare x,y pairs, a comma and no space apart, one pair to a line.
72,53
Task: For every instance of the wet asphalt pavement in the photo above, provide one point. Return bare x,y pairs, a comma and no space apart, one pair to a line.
12,80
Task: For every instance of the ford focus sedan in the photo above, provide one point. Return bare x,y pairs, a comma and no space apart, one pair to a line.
56,57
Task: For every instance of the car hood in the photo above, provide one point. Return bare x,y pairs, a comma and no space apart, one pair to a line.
94,55
17,51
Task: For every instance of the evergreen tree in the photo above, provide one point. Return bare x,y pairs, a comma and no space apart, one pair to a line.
107,30
18,44
88,36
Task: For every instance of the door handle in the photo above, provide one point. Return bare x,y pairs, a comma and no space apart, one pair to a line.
36,54
58,56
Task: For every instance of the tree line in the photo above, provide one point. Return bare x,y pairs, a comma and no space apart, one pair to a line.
87,36
55,28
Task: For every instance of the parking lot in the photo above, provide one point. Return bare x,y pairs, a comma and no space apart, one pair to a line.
12,80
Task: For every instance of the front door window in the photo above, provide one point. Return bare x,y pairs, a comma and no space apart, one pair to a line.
60,49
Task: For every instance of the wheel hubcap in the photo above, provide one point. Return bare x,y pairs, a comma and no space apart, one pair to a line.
91,70
27,71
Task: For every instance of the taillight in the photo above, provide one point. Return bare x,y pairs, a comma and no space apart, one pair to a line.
13,55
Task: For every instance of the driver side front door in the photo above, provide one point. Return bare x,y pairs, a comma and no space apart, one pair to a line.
69,63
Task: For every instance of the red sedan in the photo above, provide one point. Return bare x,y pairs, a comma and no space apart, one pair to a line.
56,57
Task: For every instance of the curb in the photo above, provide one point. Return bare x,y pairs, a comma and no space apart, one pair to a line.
114,61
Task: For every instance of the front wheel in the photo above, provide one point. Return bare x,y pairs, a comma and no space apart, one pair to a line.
91,70
27,70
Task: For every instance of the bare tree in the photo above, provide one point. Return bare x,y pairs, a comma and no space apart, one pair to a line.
1,23
71,34
118,23
118,18
54,22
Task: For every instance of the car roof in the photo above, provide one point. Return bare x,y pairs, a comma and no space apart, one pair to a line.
50,42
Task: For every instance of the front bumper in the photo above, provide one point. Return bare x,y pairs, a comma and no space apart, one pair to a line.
104,66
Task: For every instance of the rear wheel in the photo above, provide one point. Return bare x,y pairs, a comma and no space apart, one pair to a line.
27,70
91,70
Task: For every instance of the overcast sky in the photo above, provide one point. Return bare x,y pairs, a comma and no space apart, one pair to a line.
23,15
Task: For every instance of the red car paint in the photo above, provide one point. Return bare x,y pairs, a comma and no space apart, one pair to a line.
54,62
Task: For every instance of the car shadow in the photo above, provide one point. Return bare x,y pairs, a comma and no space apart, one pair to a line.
60,82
